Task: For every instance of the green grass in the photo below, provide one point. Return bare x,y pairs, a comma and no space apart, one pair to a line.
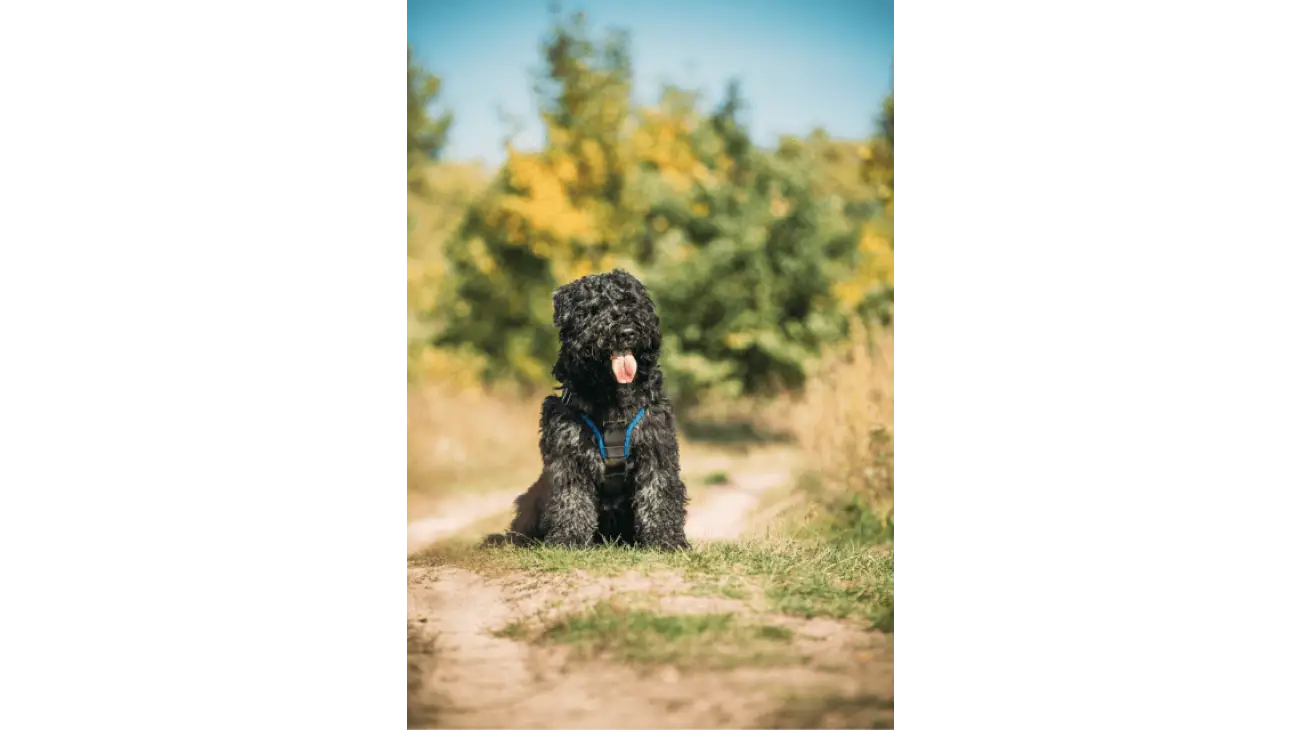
709,640
840,517
717,477
845,580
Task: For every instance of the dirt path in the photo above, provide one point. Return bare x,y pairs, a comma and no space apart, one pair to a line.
725,510
462,674
719,514
455,516
477,680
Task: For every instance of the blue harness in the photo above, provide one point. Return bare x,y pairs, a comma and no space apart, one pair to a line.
616,433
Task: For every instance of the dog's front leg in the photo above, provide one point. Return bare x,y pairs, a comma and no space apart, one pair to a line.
659,501
570,516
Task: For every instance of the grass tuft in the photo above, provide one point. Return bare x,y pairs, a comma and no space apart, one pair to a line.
711,640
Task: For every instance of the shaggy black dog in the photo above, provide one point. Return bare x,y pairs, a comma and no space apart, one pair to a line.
609,441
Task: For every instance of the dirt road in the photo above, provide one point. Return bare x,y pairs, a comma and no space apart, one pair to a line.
463,672
720,515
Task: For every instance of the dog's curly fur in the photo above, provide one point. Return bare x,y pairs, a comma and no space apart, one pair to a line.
599,315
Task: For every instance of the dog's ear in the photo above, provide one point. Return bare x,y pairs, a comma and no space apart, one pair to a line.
562,300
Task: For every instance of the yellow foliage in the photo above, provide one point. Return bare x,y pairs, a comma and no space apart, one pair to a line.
479,255
457,369
558,136
610,111
876,271
878,171
701,175
524,169
590,153
423,281
678,182
567,269
514,230
544,213
663,140
565,171
538,246
725,166
738,340
880,257
641,142
850,292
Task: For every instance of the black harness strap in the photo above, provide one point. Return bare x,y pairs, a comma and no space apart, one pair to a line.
615,436
615,442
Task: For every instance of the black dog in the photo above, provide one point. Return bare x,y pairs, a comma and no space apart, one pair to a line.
609,441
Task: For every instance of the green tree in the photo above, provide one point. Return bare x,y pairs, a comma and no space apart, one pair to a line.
550,216
887,121
745,250
744,264
871,289
426,132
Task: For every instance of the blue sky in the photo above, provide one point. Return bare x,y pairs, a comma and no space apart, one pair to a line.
802,64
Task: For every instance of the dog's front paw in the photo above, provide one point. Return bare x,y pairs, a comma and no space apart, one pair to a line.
569,539
667,542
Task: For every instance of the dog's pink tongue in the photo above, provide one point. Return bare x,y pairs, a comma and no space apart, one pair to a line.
624,368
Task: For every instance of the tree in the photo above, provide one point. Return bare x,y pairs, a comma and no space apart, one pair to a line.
426,133
871,289
743,264
742,248
550,216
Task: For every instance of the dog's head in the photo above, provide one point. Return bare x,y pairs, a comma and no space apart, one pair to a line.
609,331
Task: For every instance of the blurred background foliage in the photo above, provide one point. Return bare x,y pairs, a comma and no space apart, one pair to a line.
772,268
759,259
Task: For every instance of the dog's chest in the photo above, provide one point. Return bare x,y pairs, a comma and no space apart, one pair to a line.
615,488
614,442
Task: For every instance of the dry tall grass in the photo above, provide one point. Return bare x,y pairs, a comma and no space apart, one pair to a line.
845,421
467,439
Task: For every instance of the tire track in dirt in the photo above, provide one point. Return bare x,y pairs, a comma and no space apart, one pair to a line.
725,512
454,612
721,514
455,516
474,679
